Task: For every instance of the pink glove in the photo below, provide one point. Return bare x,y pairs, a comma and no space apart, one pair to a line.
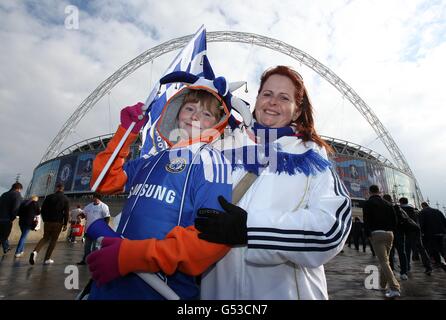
104,263
133,114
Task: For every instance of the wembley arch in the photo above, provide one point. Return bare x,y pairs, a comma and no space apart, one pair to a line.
236,37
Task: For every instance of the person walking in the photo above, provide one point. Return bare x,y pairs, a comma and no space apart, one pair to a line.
75,216
433,227
92,212
380,224
358,233
28,212
55,215
398,240
413,238
9,205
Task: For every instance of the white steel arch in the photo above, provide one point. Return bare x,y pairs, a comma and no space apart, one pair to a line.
241,37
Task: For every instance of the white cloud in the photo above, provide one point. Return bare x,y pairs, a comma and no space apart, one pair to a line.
390,53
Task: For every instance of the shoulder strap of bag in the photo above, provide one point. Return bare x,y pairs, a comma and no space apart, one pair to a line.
243,186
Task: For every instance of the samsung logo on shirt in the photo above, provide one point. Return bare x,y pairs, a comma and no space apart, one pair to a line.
153,191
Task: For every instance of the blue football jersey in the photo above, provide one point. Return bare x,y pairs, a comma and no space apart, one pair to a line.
165,191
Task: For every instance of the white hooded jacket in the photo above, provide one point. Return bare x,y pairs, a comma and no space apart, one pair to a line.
296,223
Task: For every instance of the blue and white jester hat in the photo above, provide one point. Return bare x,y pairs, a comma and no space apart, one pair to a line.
218,87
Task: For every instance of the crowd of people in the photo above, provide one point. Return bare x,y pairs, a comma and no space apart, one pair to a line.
54,214
403,228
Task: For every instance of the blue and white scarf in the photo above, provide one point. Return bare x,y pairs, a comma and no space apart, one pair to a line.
267,153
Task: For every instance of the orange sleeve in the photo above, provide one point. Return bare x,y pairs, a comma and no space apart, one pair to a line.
181,250
115,179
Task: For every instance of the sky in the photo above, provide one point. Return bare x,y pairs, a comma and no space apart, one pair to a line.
392,53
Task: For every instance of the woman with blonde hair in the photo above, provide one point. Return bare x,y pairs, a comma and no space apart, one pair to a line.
28,218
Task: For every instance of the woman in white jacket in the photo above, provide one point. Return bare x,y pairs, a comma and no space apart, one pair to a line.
294,217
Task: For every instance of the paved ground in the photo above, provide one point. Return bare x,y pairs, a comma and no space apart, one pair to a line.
345,276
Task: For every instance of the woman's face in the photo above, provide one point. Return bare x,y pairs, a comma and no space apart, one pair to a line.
275,105
193,118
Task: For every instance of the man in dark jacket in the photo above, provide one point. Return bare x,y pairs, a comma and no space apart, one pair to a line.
9,206
433,227
358,233
379,224
398,240
413,238
54,212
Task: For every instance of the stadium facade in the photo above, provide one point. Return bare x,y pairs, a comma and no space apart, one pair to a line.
357,166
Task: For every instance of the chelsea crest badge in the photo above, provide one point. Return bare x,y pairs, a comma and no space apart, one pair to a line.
176,165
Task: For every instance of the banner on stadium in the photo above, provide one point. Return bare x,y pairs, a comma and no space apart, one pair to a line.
353,173
83,172
65,174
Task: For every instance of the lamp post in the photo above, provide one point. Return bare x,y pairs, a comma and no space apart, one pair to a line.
417,204
395,193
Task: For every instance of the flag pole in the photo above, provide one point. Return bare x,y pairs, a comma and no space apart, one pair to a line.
149,101
112,157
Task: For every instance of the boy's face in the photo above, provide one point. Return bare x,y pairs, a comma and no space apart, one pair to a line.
194,118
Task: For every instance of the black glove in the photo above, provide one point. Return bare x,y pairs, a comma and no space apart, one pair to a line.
228,227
